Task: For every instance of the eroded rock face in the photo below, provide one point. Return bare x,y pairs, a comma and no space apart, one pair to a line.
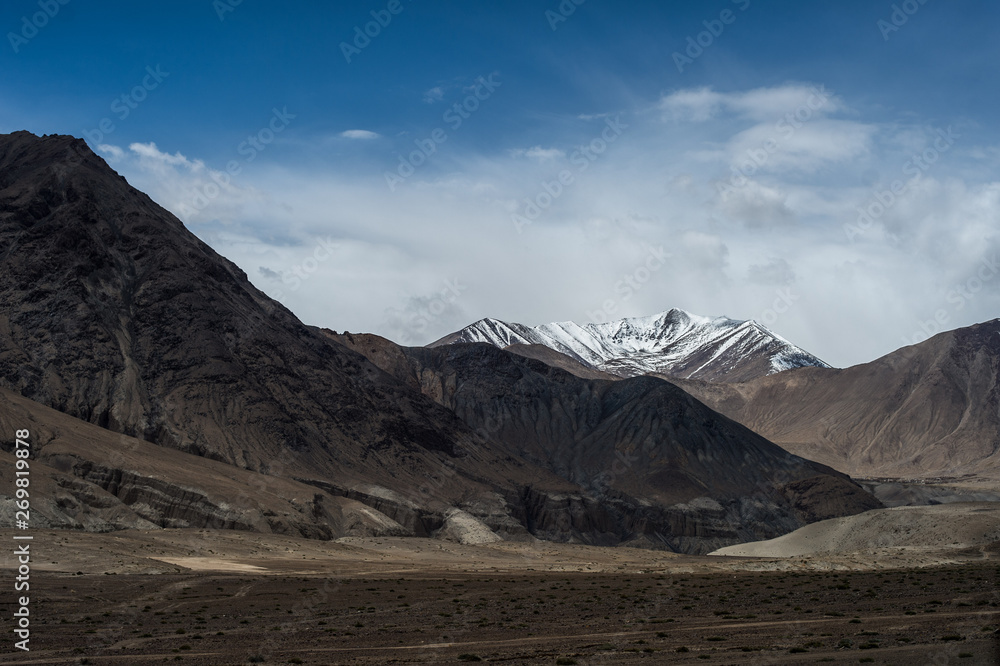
650,463
86,477
65,502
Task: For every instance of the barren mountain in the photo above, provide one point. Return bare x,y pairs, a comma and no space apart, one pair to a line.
924,411
644,453
111,312
86,477
672,344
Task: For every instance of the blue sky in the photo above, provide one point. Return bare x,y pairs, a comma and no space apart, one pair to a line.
248,121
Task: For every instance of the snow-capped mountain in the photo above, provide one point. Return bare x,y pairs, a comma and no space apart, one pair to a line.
673,343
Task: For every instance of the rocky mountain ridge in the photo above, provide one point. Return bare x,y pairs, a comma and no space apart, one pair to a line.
673,344
116,315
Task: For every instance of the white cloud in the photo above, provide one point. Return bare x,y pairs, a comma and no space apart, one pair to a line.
807,146
151,152
113,152
187,188
359,134
538,153
695,105
784,229
776,271
762,104
435,94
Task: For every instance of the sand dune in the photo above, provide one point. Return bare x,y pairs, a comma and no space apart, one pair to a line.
957,526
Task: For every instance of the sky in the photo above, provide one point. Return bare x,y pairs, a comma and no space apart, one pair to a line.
407,167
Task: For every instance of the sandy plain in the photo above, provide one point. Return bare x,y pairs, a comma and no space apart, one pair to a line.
225,597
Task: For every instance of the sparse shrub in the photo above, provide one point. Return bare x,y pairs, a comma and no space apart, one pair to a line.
468,657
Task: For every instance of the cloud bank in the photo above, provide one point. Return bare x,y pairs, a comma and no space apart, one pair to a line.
784,204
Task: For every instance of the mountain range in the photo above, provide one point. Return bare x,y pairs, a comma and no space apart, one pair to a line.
164,390
673,344
930,411
140,335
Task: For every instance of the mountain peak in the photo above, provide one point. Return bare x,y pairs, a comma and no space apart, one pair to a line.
24,150
674,343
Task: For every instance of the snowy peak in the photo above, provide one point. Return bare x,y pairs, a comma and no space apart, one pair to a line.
674,343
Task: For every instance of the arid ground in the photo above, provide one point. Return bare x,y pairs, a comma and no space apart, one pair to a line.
214,597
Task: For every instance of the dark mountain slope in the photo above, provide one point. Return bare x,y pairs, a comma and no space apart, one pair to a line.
642,448
112,312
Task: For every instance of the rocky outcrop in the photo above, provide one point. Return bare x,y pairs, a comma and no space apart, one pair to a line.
85,477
